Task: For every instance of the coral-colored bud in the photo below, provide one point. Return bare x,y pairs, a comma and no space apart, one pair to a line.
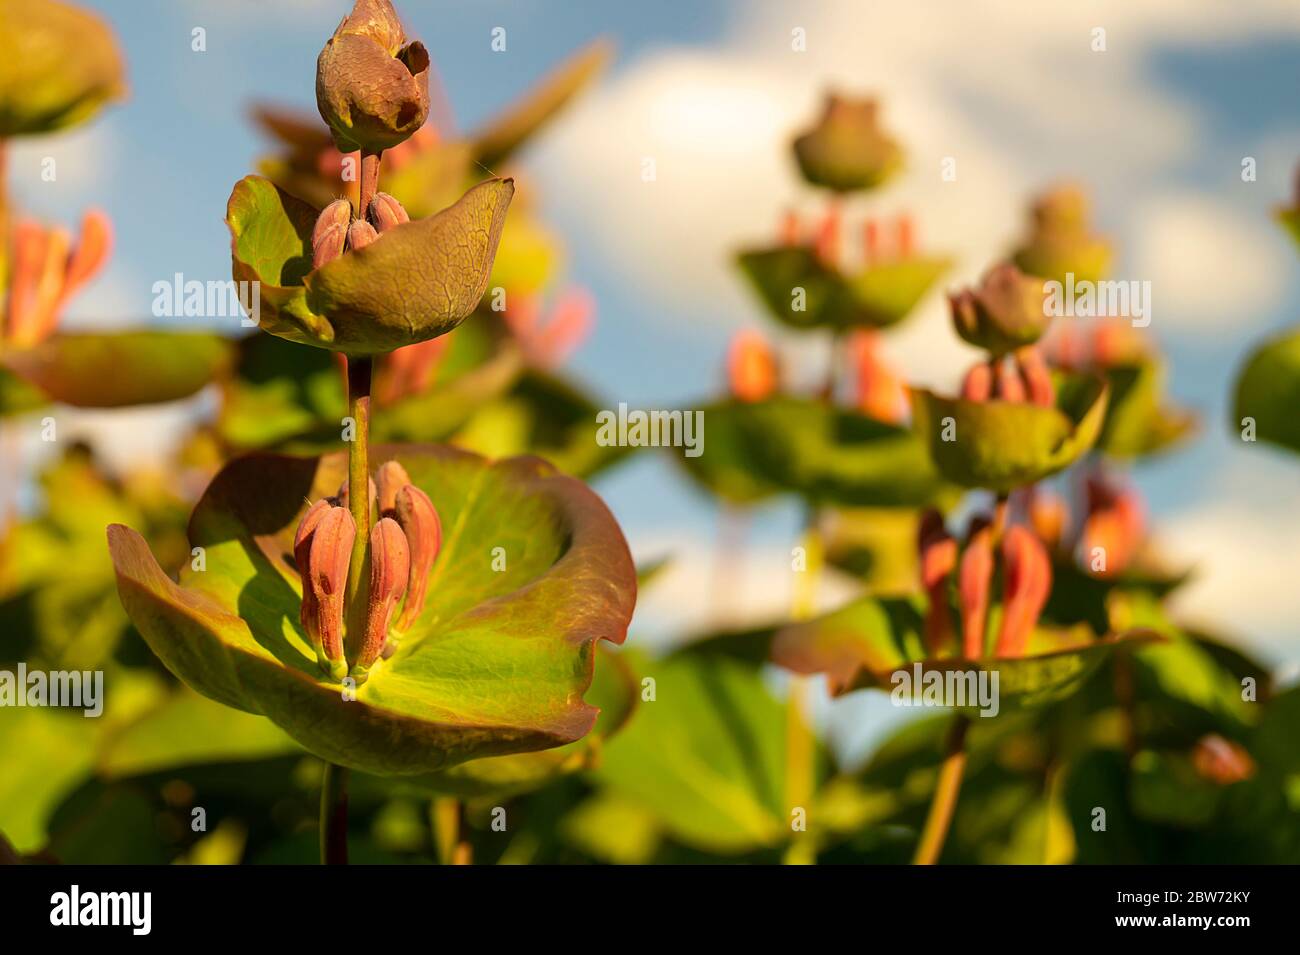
392,478
790,228
827,243
978,383
360,234
974,579
94,243
389,569
386,213
880,392
1048,515
344,497
751,366
423,529
323,549
1027,580
871,241
330,233
1007,385
905,236
1037,376
1221,761
1114,527
1117,342
938,553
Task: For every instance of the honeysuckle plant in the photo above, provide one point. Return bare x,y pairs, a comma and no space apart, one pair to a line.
61,67
399,609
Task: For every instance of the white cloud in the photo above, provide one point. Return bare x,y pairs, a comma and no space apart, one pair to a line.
1212,265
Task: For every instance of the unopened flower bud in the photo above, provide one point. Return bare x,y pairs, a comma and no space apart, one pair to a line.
1221,761
385,212
938,560
344,498
1006,311
1037,376
389,568
1027,580
1007,385
974,579
1048,515
423,529
360,234
751,366
323,549
392,478
978,383
330,233
1113,530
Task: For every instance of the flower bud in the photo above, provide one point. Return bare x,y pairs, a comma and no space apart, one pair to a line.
423,529
978,383
392,478
938,560
1007,310
1047,514
344,498
1007,385
323,549
385,212
880,391
389,569
847,150
1027,581
974,578
372,91
1113,529
360,234
1221,761
1037,376
751,366
330,232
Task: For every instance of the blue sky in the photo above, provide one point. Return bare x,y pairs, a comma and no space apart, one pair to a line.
1156,125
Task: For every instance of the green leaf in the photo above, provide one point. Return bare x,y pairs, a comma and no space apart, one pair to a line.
706,756
18,396
115,369
1002,445
416,282
875,297
504,134
824,454
58,66
1137,423
1268,391
498,661
872,642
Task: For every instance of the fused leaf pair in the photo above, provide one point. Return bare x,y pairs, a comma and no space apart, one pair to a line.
846,150
1008,310
413,281
1060,240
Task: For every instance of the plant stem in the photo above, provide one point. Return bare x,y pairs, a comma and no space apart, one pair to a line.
944,803
358,593
448,817
334,815
799,744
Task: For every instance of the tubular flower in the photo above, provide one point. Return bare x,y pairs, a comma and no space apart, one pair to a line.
752,372
410,370
546,344
881,393
1008,310
403,546
46,271
1114,527
974,580
1048,516
1027,581
372,87
938,561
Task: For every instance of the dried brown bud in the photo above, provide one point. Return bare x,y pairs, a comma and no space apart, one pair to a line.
385,212
423,529
389,569
323,549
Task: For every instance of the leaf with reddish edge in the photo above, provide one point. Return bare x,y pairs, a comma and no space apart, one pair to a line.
867,642
116,369
498,661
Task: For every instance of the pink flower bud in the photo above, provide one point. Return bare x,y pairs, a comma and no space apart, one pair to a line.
751,366
392,478
360,234
323,549
1027,581
978,383
344,498
974,578
389,569
385,212
330,233
1007,385
423,529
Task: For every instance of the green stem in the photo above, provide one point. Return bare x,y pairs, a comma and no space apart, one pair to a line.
357,598
334,815
800,747
944,803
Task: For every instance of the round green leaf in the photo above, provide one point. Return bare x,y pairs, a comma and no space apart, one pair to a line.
114,369
497,663
1003,445
1268,392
